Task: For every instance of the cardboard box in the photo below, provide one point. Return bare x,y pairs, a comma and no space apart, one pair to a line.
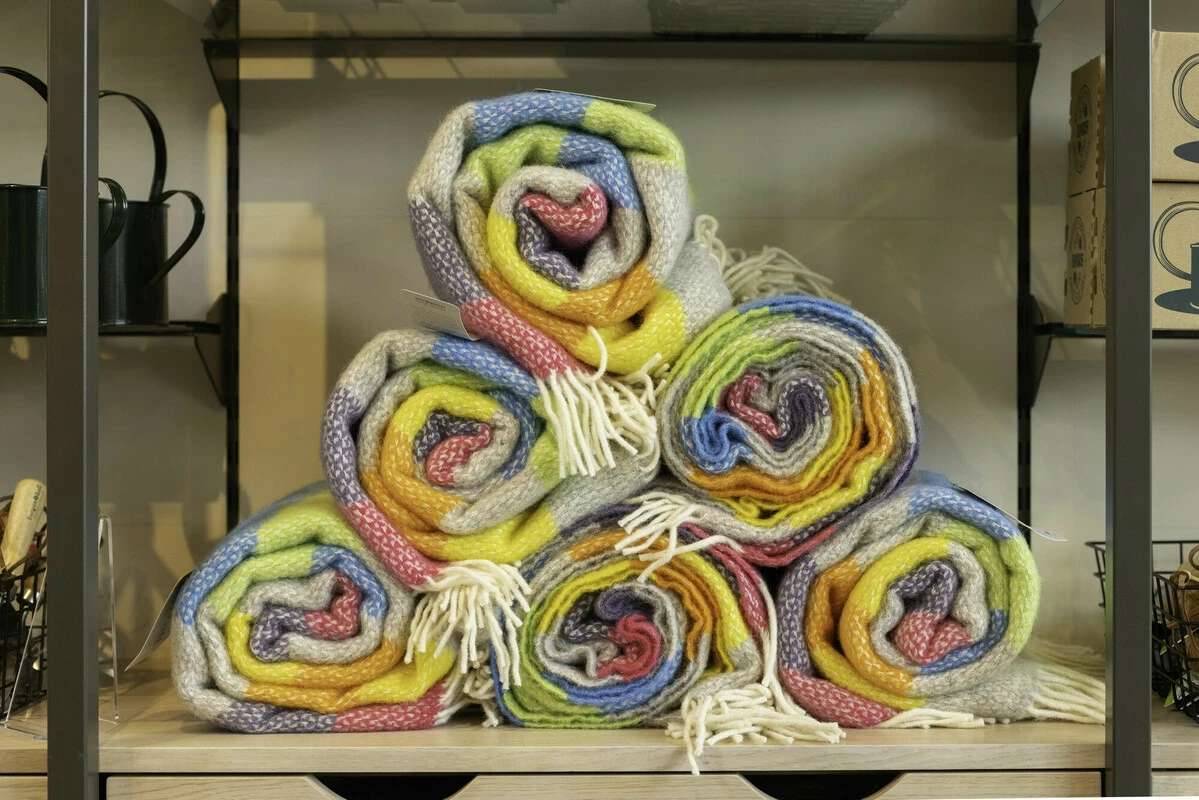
1175,258
1175,87
1175,107
1087,162
1080,259
1099,295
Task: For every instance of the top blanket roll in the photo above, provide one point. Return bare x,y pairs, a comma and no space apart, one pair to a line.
781,418
557,223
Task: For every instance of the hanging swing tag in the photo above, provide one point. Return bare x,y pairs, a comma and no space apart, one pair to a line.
636,105
160,631
1044,533
437,315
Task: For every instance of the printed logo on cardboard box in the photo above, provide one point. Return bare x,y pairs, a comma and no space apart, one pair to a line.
1187,151
1078,259
1183,300
1083,123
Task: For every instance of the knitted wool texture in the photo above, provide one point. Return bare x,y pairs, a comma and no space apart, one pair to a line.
438,453
557,223
603,647
921,601
782,417
292,625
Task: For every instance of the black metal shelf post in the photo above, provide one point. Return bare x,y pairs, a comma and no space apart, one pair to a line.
1129,388
71,362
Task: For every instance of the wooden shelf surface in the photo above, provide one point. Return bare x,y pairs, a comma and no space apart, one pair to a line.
158,735
1175,739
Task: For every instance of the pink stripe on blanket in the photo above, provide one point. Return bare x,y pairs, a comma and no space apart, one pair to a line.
540,355
402,559
417,715
640,644
735,400
924,638
453,452
828,702
573,225
340,621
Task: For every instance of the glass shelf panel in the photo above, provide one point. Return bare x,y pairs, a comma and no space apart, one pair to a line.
623,18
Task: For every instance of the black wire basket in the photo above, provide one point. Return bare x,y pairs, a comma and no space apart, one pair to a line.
1175,627
22,635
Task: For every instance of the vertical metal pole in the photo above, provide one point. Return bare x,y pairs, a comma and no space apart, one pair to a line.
232,318
1129,374
1025,334
71,398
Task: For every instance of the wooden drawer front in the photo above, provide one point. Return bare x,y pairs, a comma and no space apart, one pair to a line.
492,787
944,785
24,787
909,786
1176,784
210,787
609,787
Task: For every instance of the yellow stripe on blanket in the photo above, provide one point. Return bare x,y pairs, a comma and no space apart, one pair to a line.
828,597
403,683
867,598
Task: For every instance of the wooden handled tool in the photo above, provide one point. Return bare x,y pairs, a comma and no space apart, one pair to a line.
28,502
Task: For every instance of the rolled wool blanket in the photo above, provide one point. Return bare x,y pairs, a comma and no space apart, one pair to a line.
913,614
557,223
292,625
782,417
438,452
687,643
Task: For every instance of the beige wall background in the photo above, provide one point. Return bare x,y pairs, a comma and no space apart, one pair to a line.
897,180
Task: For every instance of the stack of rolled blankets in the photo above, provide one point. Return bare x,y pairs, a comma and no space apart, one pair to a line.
495,529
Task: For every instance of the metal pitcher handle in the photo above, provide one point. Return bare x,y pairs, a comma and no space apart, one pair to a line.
39,86
192,235
160,143
120,210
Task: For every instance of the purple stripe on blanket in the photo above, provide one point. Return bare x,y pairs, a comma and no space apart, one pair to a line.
449,273
266,637
248,717
338,448
538,250
792,602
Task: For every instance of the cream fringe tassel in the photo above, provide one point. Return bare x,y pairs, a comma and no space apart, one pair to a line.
933,718
470,598
760,712
1074,656
469,689
767,273
1069,695
587,412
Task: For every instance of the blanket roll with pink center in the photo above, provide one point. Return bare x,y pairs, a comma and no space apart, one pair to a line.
558,224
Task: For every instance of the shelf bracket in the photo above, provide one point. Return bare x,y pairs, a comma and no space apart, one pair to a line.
1040,351
214,348
222,55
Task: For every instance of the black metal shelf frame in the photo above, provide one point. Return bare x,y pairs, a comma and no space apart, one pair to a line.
209,336
73,57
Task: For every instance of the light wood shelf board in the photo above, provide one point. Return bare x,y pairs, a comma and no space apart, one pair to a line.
1175,739
167,738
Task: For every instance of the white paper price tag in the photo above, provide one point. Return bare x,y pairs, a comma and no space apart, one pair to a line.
437,315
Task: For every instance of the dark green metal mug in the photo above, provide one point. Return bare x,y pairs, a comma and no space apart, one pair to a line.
23,266
133,288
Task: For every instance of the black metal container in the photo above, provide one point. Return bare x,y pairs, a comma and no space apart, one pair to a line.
23,268
133,286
